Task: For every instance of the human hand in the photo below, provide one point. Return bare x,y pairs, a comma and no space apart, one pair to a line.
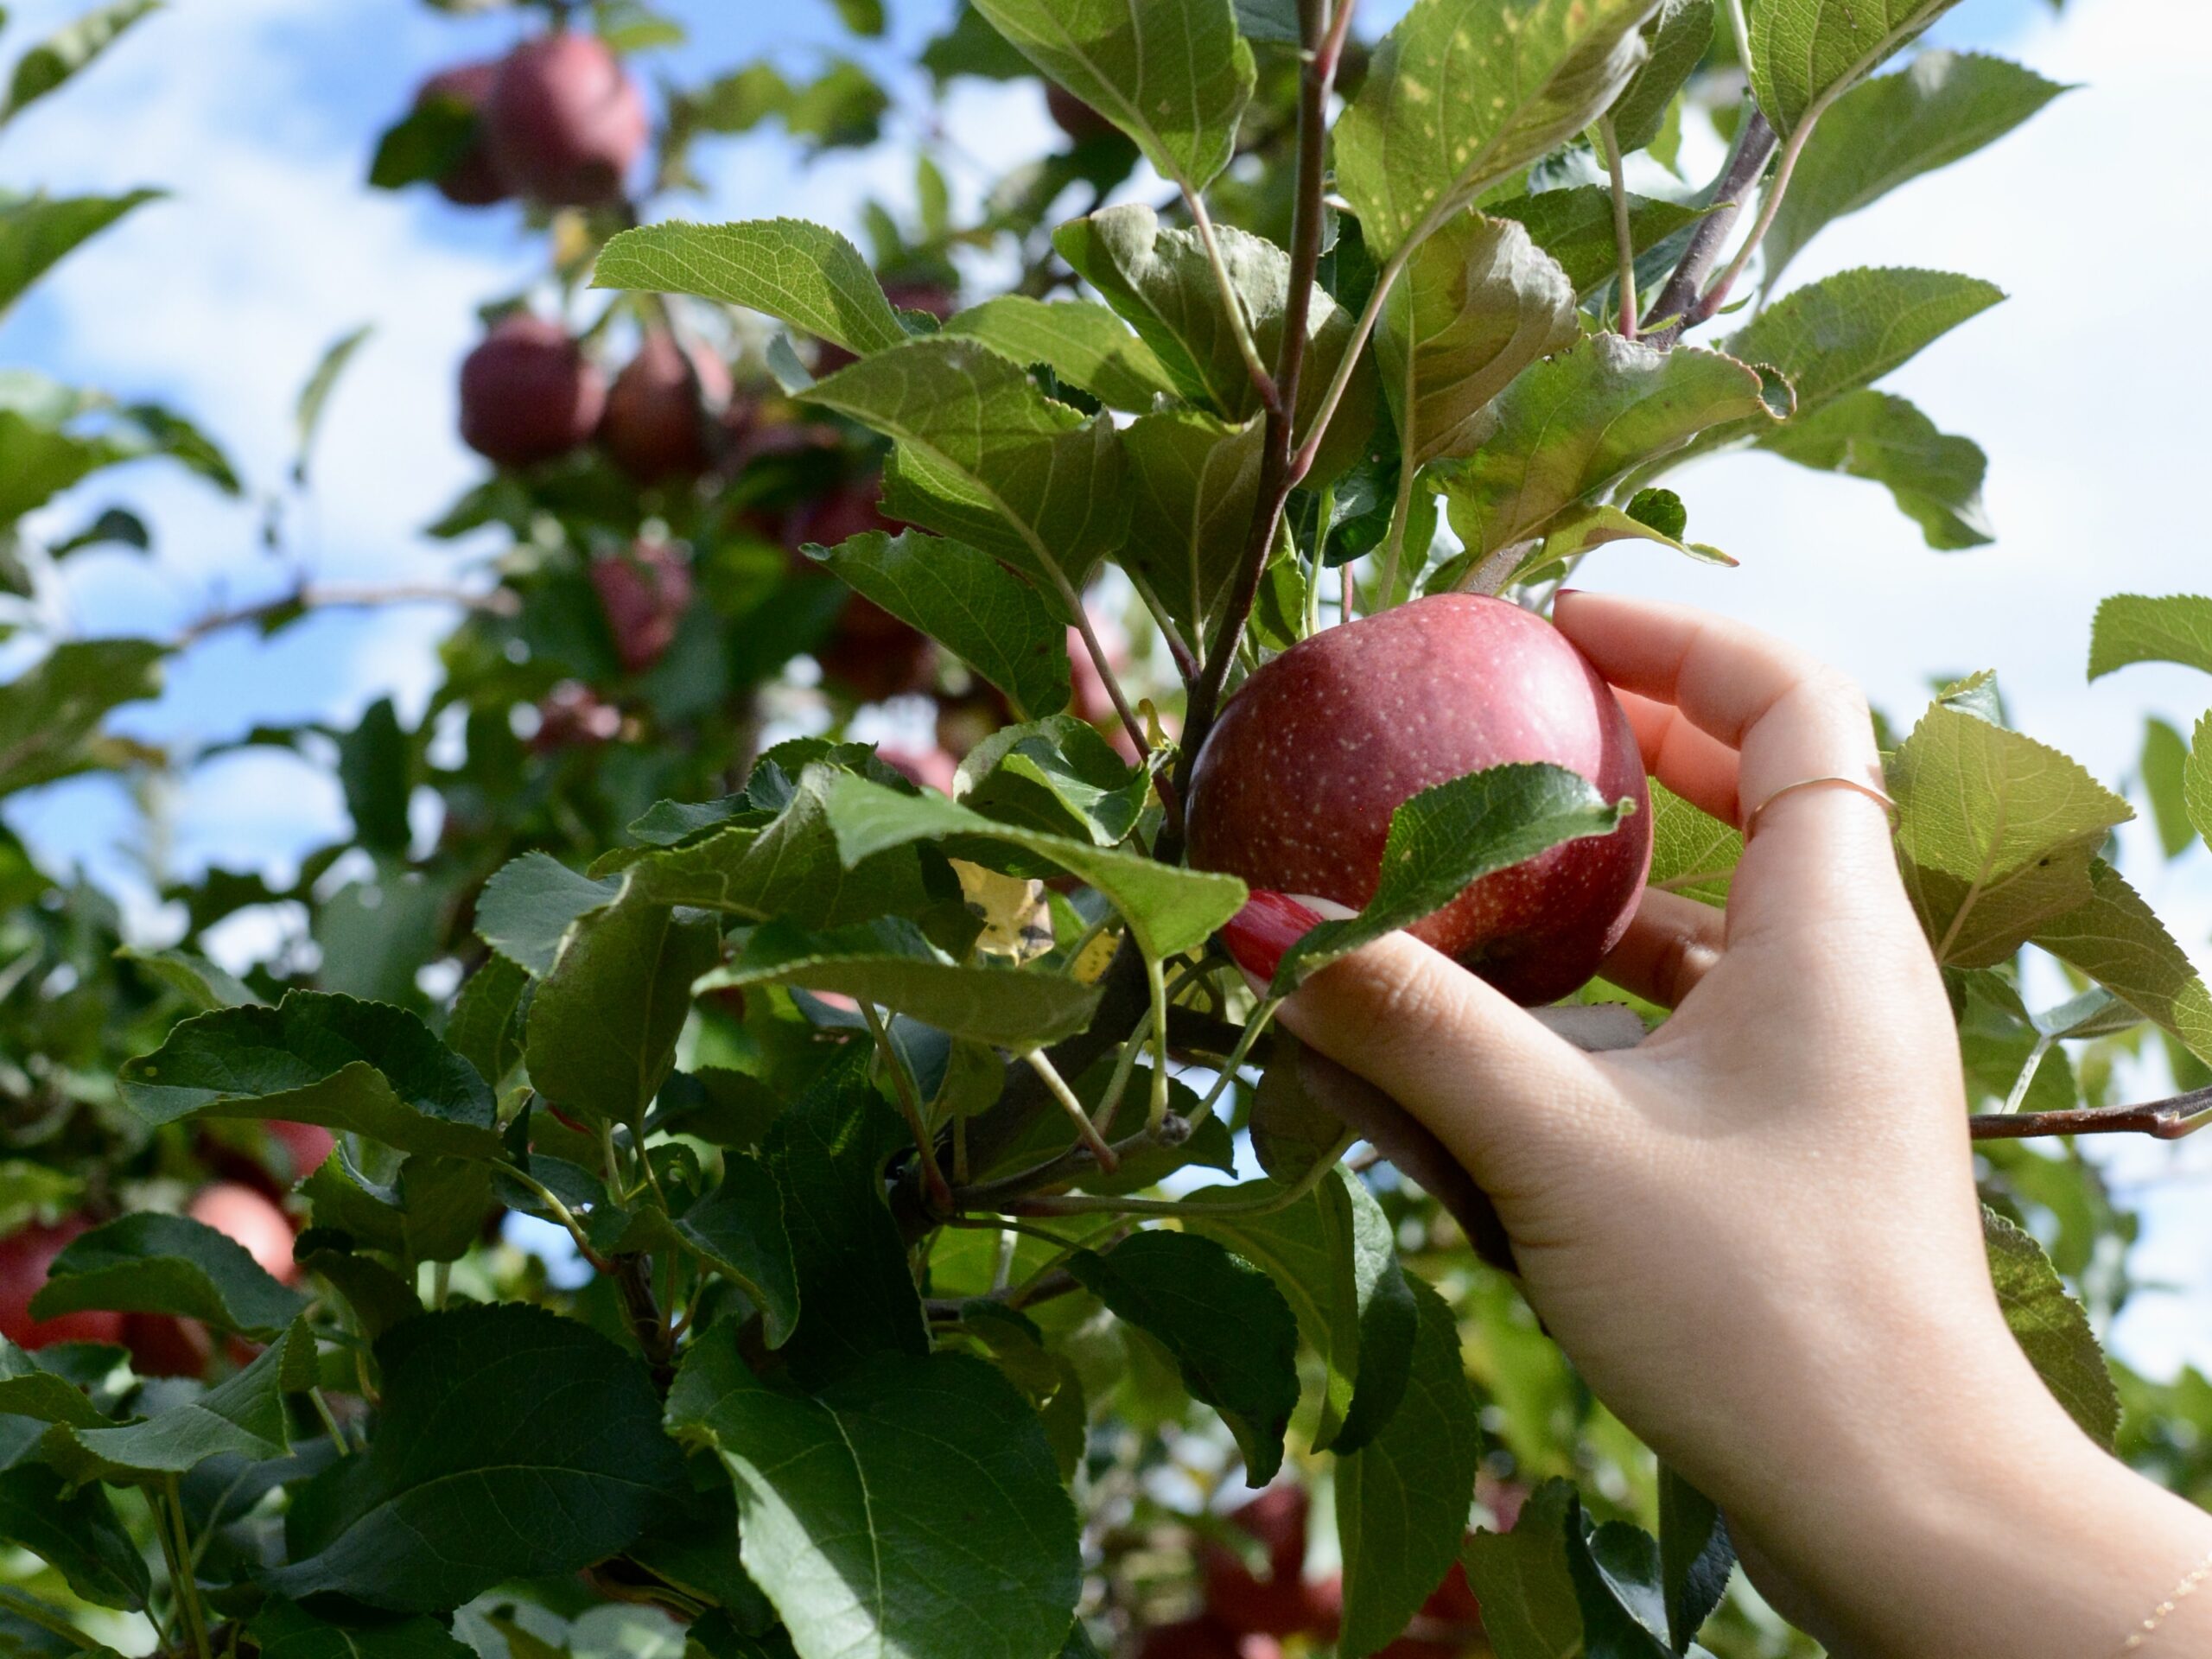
1756,1232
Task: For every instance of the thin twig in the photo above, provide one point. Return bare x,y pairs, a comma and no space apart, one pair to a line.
1240,326
910,1107
1056,1086
187,1588
1084,1204
1624,238
1186,663
1716,296
2163,1120
499,601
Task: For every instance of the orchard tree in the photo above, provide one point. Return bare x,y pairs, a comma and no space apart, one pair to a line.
887,1104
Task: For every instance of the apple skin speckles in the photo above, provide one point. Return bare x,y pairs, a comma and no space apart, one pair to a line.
1295,786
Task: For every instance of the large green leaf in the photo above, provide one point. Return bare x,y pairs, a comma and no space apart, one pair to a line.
1573,425
1334,1257
1849,330
604,1022
528,906
1232,1335
2197,780
1524,1581
1575,226
284,1629
1934,478
78,1532
738,1230
486,1028
1173,74
799,273
1479,303
1695,1556
1192,482
153,1263
34,1385
1692,851
37,231
1402,1499
2052,1328
69,49
1996,834
430,1209
889,963
1879,134
1453,834
2135,628
319,1058
1678,36
241,1416
1056,775
50,714
1169,910
2117,940
908,1508
1082,342
985,458
969,603
510,1443
1462,93
1805,53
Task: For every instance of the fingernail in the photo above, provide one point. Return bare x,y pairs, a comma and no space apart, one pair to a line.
1269,925
1567,593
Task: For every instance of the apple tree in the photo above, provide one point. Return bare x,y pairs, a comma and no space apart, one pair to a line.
757,1178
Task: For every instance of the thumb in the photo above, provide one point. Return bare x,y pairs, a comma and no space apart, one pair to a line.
1483,1075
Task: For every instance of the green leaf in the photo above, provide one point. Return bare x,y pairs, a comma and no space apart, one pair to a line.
2197,780
50,718
431,1209
307,415
1169,910
985,458
511,1444
1403,1500
425,145
284,1629
373,762
798,273
32,1386
1849,330
863,17
1333,1256
2163,768
827,1155
1193,480
241,1416
1805,53
738,1229
1451,835
152,1263
1575,226
1692,852
1058,776
379,1297
529,905
36,231
486,1028
1617,1571
841,108
1173,74
78,1532
1580,529
1695,1556
1232,1336
968,602
1936,479
1479,303
2051,1328
69,49
2117,941
198,980
1523,1580
889,963
1996,833
2134,628
976,1555
319,1058
1677,39
1162,282
1462,93
1084,343
604,1022
1576,424
1881,134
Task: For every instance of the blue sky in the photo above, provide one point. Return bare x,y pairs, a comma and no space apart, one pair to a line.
258,115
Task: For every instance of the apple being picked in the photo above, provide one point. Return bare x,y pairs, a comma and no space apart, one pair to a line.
528,392
1294,788
564,122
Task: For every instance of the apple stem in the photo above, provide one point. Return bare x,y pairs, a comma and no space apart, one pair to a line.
1623,240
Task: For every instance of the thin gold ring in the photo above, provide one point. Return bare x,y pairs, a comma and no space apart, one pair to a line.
1857,784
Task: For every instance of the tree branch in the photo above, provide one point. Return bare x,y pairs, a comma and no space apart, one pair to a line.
499,601
2164,1119
1746,163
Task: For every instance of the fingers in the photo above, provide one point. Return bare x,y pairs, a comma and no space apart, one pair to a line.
1672,944
1699,768
1487,1080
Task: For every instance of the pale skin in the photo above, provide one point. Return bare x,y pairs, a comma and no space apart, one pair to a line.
1756,1232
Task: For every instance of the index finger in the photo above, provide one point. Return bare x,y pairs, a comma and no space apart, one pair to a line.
1789,717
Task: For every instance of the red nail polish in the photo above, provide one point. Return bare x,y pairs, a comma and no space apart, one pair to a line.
1269,925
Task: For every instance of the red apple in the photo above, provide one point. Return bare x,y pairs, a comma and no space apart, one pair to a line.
1282,1603
241,1214
869,652
573,716
163,1345
528,392
1204,1638
471,181
660,409
306,1145
931,768
25,1255
1295,786
644,593
564,122
1075,118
